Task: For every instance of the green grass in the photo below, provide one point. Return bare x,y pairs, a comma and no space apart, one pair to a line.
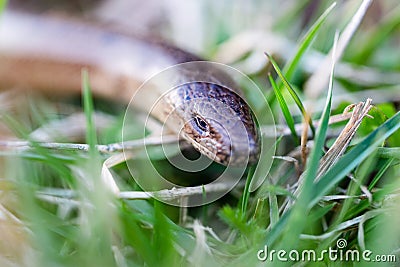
292,93
56,209
285,110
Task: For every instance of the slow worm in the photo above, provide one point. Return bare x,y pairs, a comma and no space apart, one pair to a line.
48,54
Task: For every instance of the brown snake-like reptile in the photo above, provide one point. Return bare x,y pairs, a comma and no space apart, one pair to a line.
48,54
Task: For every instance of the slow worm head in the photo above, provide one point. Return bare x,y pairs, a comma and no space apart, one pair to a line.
47,54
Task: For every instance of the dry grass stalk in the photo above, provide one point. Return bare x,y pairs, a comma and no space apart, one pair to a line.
360,111
342,142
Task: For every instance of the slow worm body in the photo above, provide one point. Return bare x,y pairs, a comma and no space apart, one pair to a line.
48,54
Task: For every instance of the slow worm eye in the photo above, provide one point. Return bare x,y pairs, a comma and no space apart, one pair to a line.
201,124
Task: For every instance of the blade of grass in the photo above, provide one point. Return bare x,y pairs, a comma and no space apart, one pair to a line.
136,237
162,239
274,209
320,212
246,191
317,82
297,220
278,228
305,43
91,137
380,173
204,208
260,214
389,152
292,92
285,109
